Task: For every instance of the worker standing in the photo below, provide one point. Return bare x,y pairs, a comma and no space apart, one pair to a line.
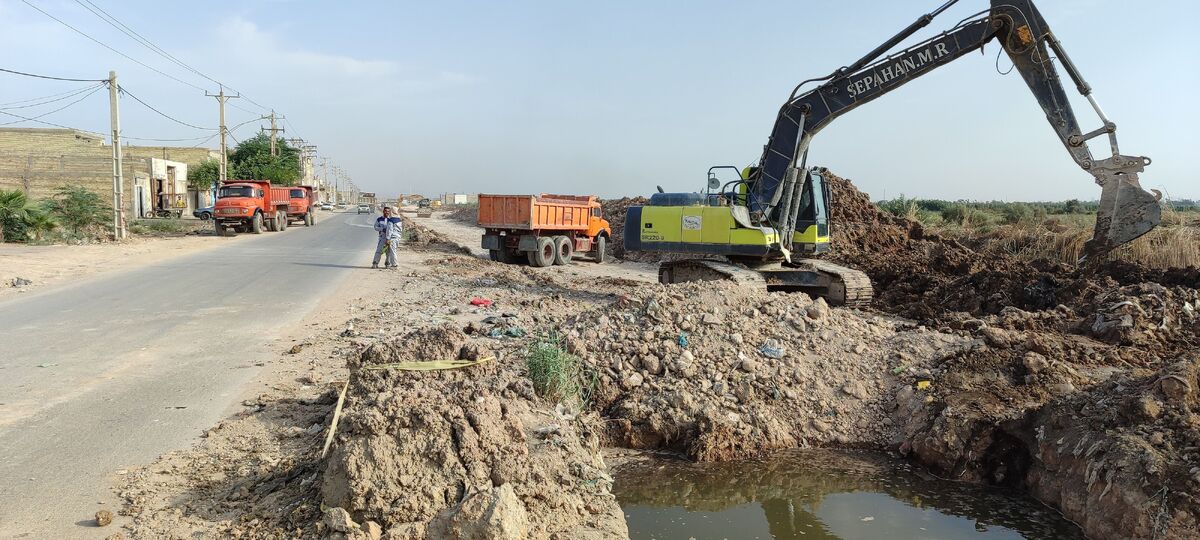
390,229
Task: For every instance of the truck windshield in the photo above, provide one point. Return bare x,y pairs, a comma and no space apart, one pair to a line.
298,194
235,191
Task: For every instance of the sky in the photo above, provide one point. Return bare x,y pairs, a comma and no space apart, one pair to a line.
613,98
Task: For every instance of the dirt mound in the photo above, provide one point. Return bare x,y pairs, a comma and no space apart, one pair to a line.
1117,456
465,214
465,453
718,372
614,211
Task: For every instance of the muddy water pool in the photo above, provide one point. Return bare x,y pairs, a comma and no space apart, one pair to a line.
812,494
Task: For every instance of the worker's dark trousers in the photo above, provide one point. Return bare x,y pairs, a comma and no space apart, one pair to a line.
390,245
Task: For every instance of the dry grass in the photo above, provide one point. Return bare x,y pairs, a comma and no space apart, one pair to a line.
1175,243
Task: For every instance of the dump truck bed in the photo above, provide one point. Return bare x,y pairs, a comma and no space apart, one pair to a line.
535,212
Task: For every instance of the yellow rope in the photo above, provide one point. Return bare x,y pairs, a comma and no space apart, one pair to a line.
428,366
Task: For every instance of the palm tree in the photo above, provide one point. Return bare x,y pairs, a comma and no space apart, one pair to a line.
40,222
14,209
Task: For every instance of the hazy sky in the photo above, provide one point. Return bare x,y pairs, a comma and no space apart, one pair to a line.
615,97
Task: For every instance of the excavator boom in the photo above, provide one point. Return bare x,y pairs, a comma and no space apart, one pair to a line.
1126,210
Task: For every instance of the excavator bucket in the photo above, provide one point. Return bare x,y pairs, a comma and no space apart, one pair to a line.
1126,210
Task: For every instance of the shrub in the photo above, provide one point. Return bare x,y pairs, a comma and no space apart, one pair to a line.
556,374
78,209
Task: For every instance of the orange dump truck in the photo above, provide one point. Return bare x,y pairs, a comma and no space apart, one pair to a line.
543,229
249,205
302,205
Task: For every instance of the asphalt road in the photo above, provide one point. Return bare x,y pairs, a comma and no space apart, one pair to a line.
114,370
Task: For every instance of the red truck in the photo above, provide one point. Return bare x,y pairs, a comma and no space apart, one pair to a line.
302,205
250,205
543,229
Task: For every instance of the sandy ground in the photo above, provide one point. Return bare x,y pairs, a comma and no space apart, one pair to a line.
50,265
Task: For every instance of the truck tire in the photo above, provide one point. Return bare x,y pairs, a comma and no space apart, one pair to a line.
563,249
256,224
545,253
309,220
220,229
601,247
282,220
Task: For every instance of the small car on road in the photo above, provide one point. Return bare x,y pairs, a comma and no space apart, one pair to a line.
364,209
205,213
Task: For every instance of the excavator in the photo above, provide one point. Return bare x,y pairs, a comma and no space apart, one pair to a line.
753,229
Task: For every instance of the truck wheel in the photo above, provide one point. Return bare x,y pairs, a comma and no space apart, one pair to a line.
256,224
281,221
601,248
309,219
564,248
545,253
220,229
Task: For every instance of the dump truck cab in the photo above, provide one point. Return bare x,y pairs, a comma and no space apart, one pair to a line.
301,203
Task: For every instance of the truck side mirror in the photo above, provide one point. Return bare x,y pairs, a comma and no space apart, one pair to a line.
714,183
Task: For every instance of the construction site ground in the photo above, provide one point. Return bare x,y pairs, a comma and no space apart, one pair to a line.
1080,390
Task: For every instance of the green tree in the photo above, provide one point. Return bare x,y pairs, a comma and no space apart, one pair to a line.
204,176
77,208
252,160
14,209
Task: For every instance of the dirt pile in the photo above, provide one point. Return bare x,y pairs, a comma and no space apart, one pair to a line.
614,211
465,214
463,453
717,372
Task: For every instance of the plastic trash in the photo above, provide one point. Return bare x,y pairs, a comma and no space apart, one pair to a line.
480,301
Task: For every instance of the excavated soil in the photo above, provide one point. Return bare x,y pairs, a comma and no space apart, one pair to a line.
1079,389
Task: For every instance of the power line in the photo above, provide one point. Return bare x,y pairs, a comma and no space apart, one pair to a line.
35,118
126,137
106,46
48,99
47,76
144,41
160,113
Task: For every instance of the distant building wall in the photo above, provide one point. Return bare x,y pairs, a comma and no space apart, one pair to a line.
41,161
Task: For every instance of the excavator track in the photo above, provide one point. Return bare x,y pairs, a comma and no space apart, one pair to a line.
838,285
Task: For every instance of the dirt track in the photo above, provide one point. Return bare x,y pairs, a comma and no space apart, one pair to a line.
1089,404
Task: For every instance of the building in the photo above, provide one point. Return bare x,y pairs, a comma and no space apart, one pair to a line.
40,161
450,199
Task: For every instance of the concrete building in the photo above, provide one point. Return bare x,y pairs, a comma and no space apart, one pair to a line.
450,199
40,161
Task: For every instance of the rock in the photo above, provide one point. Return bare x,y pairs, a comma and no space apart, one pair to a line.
736,338
1174,388
115,536
856,389
104,518
999,337
634,380
820,425
373,530
748,365
296,348
1149,408
407,531
339,520
1035,362
710,319
21,282
497,514
817,310
652,364
1062,388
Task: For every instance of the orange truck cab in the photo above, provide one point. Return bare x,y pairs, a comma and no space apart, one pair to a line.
543,229
302,203
250,206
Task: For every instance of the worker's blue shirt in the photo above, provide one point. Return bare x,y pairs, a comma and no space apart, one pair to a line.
391,228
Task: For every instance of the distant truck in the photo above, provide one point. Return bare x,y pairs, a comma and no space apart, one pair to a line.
543,229
250,206
302,205
424,208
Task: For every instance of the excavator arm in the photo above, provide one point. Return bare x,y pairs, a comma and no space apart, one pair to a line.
1126,210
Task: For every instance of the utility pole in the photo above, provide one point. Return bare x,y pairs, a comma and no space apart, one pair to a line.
222,98
117,158
274,150
325,174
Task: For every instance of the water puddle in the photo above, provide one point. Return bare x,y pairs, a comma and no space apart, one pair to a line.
814,494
